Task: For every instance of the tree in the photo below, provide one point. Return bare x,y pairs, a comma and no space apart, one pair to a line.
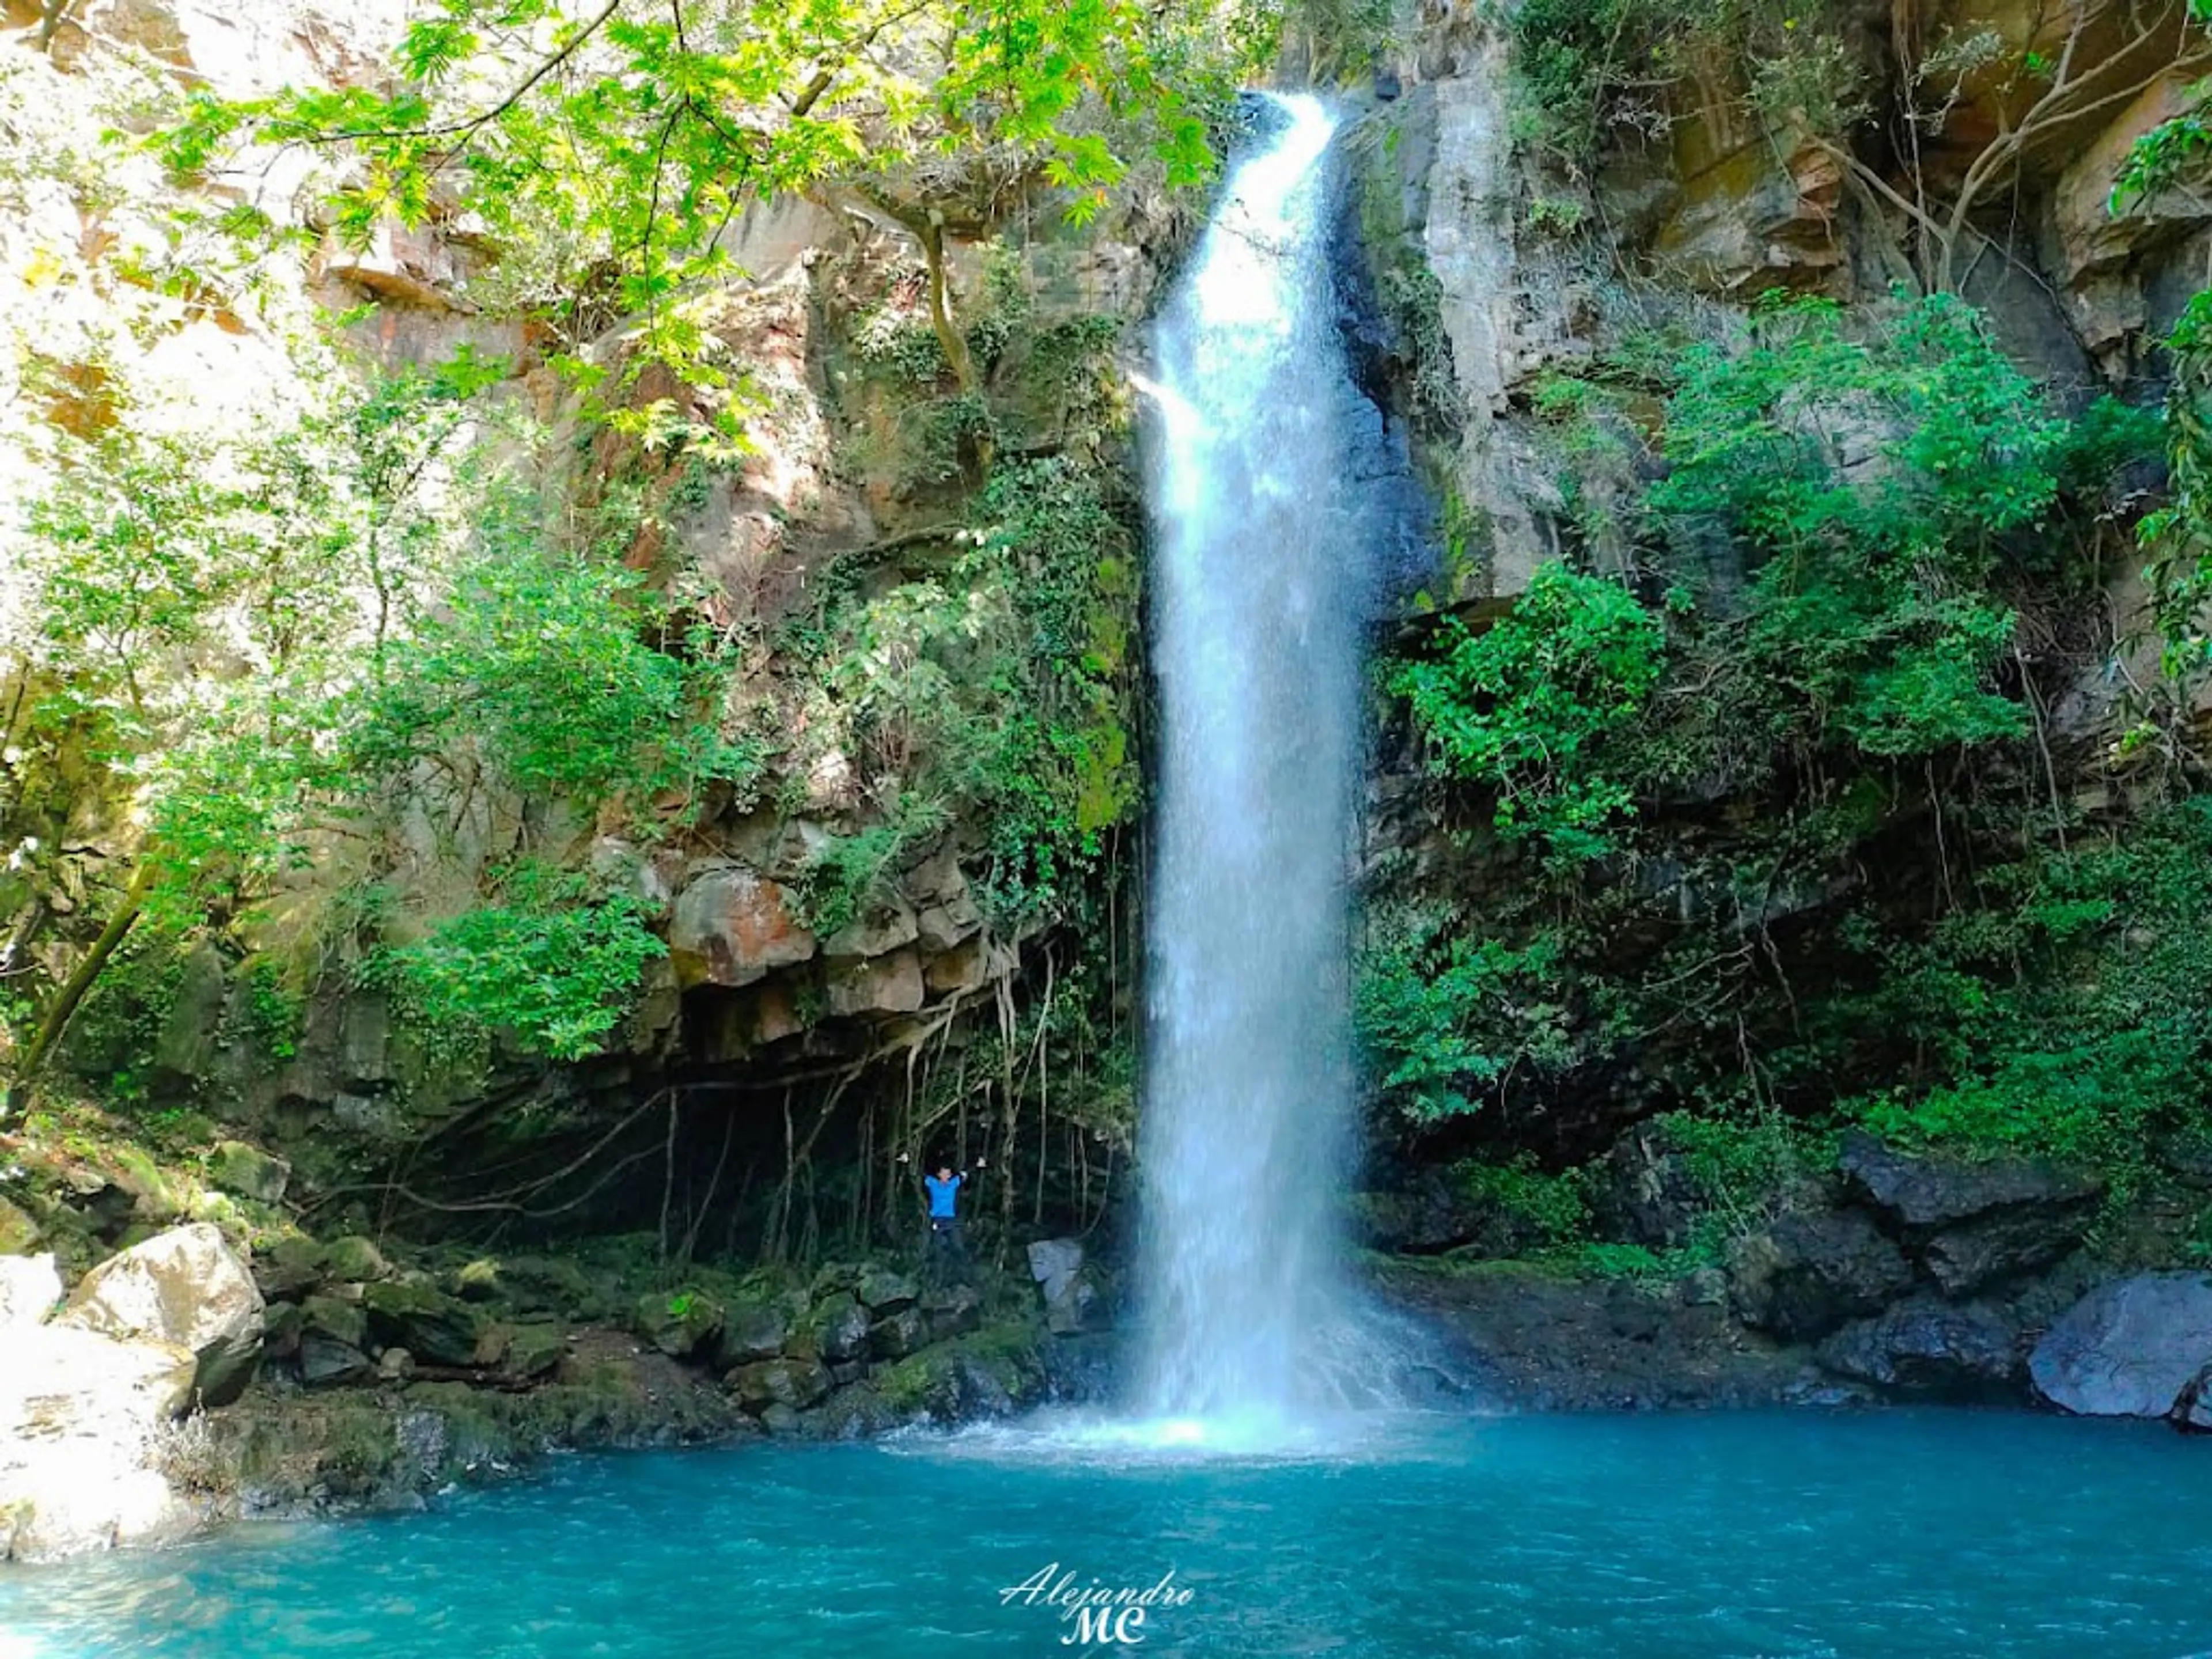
621,143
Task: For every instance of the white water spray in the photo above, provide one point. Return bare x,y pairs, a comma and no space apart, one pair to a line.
1256,644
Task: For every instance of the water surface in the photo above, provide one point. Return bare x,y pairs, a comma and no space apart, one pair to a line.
1670,1537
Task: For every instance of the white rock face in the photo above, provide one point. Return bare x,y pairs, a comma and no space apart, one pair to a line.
185,1289
82,1420
29,1287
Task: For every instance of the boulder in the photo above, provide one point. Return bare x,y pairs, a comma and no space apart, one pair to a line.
731,927
186,1288
184,1047
2192,1411
1056,1264
753,1330
885,1291
681,1323
419,1318
890,984
326,1361
876,933
354,1258
953,1310
2129,1347
1645,1191
1973,1223
533,1350
288,1269
794,1384
1813,1271
841,1331
19,1234
340,1321
84,1418
248,1171
1931,1349
29,1288
899,1335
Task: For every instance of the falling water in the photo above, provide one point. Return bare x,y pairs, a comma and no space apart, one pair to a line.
1256,647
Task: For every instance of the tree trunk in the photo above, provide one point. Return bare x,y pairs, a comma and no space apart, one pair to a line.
64,1005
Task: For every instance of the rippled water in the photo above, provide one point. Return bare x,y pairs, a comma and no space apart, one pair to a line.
1679,1537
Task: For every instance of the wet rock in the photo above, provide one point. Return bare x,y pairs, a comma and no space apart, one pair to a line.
1931,1349
885,1291
781,1420
753,1330
899,1335
1973,1223
795,1384
2128,1348
681,1325
2192,1411
1056,1264
429,1324
841,1331
731,926
953,1311
1814,1270
326,1361
30,1285
186,1288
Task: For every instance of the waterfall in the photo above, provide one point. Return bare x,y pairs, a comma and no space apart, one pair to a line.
1256,630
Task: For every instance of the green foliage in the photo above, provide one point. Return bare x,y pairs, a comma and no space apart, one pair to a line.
1525,709
547,963
607,152
1591,73
1444,1019
1553,1208
546,661
995,693
2065,1008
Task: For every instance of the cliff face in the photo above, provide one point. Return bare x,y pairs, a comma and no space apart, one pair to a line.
894,914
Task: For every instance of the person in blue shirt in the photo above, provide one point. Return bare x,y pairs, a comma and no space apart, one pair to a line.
943,1189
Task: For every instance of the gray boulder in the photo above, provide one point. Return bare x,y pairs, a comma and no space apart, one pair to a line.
2192,1411
1930,1349
1814,1271
186,1288
1973,1223
248,1171
753,1330
432,1326
794,1384
1056,1264
2128,1348
841,1331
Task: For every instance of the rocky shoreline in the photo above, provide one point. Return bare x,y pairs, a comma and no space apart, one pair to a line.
204,1374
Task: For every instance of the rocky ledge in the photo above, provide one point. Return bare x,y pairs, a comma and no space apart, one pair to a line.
1897,1277
183,1382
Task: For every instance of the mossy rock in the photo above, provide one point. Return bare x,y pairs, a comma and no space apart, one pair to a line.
429,1324
680,1323
19,1234
354,1258
248,1171
341,1321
